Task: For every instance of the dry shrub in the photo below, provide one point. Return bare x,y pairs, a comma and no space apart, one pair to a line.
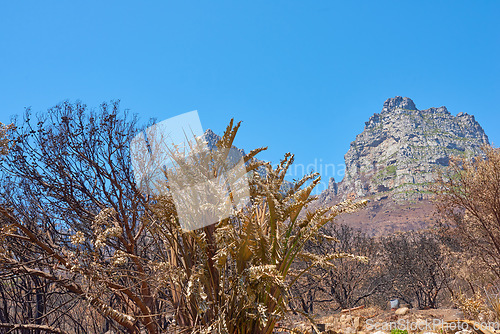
492,296
467,197
72,215
472,307
481,306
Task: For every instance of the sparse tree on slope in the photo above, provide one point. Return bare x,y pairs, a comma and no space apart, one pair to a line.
468,198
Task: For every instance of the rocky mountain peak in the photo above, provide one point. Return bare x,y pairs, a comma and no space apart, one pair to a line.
400,150
398,102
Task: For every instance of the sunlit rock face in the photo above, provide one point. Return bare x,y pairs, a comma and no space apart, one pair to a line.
401,148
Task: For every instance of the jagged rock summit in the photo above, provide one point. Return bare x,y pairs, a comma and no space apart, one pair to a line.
398,102
393,161
401,148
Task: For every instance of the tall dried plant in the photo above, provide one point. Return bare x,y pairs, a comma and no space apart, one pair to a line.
73,215
235,276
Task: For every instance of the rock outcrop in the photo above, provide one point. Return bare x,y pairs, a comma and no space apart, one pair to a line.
401,148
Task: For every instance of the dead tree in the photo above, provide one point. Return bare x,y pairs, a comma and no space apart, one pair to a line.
72,219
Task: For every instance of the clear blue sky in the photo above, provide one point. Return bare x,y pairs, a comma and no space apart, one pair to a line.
303,76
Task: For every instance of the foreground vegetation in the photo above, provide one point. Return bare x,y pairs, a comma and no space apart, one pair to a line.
83,249
76,231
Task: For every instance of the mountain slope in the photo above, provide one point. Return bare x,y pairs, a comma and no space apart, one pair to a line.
395,158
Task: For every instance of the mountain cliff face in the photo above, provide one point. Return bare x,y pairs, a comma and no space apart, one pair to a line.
400,149
393,161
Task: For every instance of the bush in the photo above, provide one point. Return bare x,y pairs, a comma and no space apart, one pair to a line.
415,263
73,217
352,281
467,196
